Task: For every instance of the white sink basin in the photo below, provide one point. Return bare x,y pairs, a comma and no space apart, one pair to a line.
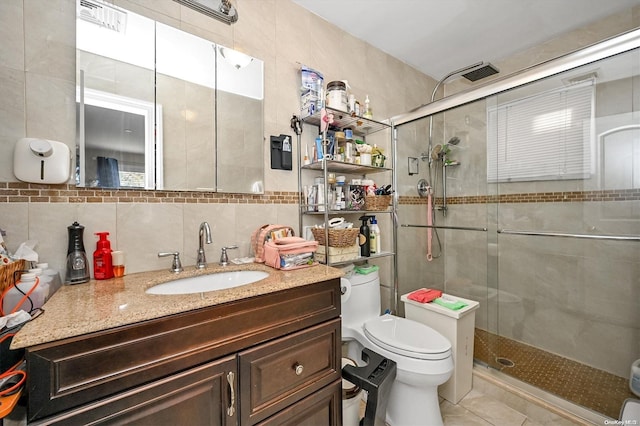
211,282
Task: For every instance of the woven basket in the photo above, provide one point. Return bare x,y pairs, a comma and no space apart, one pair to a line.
6,273
377,202
337,237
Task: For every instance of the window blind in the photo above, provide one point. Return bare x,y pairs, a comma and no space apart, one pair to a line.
548,136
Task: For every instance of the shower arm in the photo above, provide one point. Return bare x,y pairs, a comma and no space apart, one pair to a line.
430,148
433,97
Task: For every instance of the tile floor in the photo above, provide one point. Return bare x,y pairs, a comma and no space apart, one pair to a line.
586,386
494,401
477,408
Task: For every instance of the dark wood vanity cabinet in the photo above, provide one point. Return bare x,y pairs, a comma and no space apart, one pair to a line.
271,359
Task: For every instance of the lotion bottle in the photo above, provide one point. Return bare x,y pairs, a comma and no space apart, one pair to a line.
375,236
102,263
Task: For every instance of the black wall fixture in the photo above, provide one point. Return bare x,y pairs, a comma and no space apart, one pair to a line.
281,152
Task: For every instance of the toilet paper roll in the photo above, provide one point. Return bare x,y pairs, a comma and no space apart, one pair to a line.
345,290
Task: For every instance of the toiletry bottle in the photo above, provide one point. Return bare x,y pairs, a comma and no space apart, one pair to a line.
102,263
117,260
365,235
44,283
367,109
375,236
52,276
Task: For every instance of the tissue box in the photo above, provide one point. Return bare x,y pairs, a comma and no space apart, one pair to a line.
338,254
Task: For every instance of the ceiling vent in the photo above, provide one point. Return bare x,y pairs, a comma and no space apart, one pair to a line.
103,15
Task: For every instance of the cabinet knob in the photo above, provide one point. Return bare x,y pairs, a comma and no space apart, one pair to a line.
298,368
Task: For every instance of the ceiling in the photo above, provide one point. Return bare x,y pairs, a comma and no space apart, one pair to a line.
440,36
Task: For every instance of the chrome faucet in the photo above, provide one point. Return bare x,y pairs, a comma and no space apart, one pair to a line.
204,231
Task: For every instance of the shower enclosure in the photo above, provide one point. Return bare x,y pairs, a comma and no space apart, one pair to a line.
543,219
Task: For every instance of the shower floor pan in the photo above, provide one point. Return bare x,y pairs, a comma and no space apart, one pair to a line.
578,383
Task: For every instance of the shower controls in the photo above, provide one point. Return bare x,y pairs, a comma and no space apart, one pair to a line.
423,188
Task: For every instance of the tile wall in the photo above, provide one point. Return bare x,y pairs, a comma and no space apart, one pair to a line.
37,99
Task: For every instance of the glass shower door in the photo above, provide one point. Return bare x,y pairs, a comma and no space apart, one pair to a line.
564,159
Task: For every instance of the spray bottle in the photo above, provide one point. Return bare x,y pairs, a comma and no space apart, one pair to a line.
365,235
102,263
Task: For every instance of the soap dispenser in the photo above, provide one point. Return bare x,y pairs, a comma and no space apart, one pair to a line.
77,270
102,264
374,236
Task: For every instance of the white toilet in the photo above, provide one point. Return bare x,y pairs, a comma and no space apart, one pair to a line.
422,355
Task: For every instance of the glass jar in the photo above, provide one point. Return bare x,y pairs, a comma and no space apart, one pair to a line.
337,95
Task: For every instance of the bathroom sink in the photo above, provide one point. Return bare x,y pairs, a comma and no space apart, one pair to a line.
211,282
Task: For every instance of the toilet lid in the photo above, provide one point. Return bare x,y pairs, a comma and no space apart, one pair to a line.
406,337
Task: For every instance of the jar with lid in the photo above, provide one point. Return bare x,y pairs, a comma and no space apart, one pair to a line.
337,95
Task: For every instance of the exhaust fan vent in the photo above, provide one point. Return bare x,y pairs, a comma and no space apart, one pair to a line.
102,15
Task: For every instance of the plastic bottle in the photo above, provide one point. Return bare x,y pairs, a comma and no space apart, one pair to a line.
375,236
44,281
368,113
52,276
365,236
102,264
26,295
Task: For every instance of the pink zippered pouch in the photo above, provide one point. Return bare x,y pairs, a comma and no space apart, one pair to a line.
290,253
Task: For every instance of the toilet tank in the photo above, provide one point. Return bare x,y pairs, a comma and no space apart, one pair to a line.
361,298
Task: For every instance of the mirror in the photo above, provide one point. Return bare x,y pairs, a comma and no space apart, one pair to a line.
159,108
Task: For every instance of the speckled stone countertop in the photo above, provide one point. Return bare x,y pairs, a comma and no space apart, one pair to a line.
79,309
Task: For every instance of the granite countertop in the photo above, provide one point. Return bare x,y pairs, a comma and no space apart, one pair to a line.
79,309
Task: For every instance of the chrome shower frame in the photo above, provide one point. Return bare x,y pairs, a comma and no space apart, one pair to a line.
604,49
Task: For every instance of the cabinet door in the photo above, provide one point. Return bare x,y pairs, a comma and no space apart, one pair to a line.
321,408
280,373
204,395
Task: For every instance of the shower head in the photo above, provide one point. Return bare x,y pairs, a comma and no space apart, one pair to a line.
481,72
454,141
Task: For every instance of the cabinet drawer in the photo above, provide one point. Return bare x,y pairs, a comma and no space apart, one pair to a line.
284,371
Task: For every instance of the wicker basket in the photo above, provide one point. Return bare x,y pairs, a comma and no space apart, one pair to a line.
6,273
337,237
377,202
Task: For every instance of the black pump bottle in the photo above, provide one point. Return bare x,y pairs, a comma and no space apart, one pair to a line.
365,246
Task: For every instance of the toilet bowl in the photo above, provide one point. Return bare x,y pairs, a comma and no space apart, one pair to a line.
422,355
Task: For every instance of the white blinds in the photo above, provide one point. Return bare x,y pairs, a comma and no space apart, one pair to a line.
548,136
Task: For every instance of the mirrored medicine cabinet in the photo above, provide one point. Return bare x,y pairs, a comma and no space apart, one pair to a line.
160,108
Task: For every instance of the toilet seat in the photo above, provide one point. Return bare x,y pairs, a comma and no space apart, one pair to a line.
409,338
